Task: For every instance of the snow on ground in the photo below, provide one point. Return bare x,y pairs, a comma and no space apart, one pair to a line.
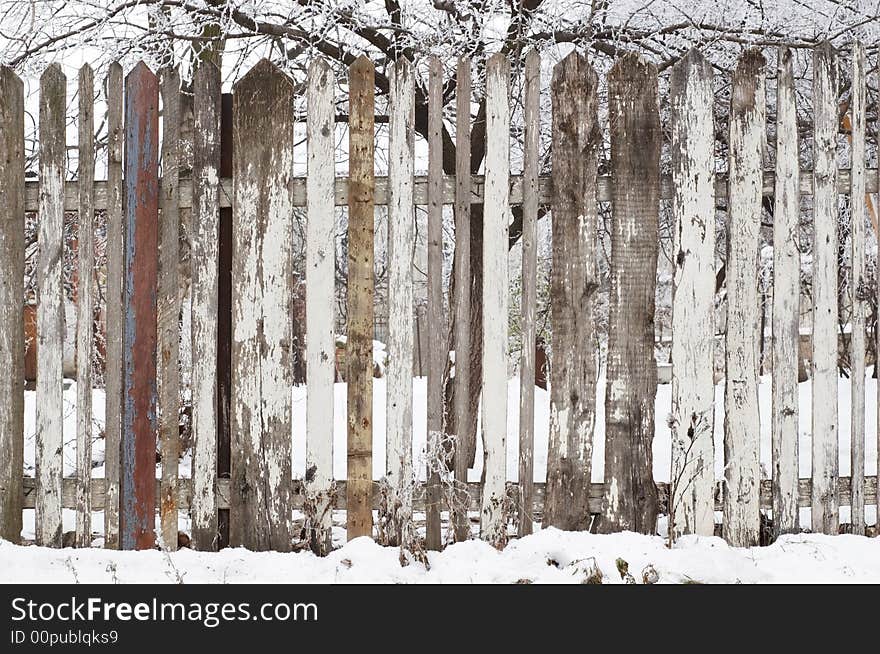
549,556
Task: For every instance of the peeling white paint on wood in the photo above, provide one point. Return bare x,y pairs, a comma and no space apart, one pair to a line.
859,292
824,295
320,302
50,297
692,418
496,218
742,470
204,259
786,304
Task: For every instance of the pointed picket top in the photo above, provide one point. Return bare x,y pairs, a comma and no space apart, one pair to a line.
533,58
262,70
8,76
750,63
693,60
170,72
318,68
569,70
825,48
86,70
632,66
362,64
140,72
54,73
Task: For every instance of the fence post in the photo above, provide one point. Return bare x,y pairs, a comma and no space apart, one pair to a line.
11,303
437,347
114,322
262,277
50,308
859,292
204,261
573,286
742,467
631,386
786,304
496,218
168,310
359,347
85,314
320,302
691,495
824,364
395,513
138,488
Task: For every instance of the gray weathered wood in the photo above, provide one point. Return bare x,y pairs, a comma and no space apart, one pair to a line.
437,349
395,515
859,293
114,327
168,308
824,292
531,165
574,283
786,304
359,350
461,300
320,302
262,277
12,272
496,218
693,388
204,260
50,307
742,468
84,306
631,384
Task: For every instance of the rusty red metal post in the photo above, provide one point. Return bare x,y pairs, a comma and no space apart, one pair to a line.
138,478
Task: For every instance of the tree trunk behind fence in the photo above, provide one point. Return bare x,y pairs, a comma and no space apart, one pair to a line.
631,498
574,282
262,276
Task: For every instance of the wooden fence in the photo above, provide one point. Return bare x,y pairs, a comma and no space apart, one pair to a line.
256,500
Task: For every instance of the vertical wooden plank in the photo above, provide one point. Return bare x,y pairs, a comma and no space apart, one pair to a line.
859,290
50,308
631,385
693,388
138,483
532,121
786,303
114,321
462,295
84,307
320,301
169,311
574,283
742,468
396,526
437,350
496,218
824,365
359,349
262,277
11,302
204,259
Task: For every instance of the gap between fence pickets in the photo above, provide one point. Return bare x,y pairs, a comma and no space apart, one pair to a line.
597,490
420,189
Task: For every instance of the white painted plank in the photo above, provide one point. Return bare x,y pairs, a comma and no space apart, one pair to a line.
320,301
496,218
692,419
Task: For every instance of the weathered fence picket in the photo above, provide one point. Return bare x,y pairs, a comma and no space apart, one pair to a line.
395,514
204,260
84,306
262,277
496,217
320,326
574,284
824,292
531,165
359,347
168,310
858,293
631,384
50,307
693,300
12,272
786,304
